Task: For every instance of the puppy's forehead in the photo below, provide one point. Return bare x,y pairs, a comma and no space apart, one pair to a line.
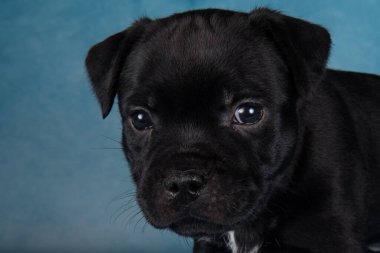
201,55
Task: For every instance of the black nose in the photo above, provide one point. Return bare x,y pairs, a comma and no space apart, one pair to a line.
184,184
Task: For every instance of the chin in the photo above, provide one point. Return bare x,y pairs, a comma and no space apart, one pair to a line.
197,228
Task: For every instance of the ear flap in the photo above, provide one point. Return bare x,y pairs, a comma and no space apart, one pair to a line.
104,63
304,46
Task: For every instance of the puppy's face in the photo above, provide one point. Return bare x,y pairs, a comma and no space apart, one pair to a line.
207,121
209,114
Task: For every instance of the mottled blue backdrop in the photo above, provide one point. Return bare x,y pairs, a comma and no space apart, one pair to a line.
60,170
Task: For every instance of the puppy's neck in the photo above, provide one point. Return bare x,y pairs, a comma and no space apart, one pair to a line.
241,245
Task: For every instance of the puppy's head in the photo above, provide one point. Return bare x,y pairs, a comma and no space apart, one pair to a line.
209,103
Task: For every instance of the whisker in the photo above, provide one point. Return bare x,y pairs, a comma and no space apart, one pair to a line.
131,218
126,195
109,138
143,228
125,208
134,229
183,241
187,242
108,148
122,212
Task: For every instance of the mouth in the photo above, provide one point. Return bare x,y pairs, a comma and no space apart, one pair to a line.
197,228
199,221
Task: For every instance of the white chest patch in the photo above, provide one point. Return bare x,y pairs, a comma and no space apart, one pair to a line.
231,242
234,247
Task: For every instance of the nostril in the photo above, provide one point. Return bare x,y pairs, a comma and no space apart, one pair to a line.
173,188
194,187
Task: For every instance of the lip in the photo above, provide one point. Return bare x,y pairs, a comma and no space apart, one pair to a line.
194,227
190,222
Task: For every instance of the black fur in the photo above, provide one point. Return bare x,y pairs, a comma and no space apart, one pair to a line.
305,178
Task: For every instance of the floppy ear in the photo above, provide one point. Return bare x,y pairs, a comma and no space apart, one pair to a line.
304,46
104,62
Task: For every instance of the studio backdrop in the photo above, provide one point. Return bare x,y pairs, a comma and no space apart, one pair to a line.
64,183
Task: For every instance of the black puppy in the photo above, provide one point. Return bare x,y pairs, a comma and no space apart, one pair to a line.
238,136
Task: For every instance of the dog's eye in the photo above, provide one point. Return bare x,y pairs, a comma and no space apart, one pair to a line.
141,120
248,113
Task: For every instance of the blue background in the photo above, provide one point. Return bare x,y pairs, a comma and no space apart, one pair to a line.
60,172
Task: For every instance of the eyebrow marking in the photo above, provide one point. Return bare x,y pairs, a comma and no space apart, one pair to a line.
228,97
